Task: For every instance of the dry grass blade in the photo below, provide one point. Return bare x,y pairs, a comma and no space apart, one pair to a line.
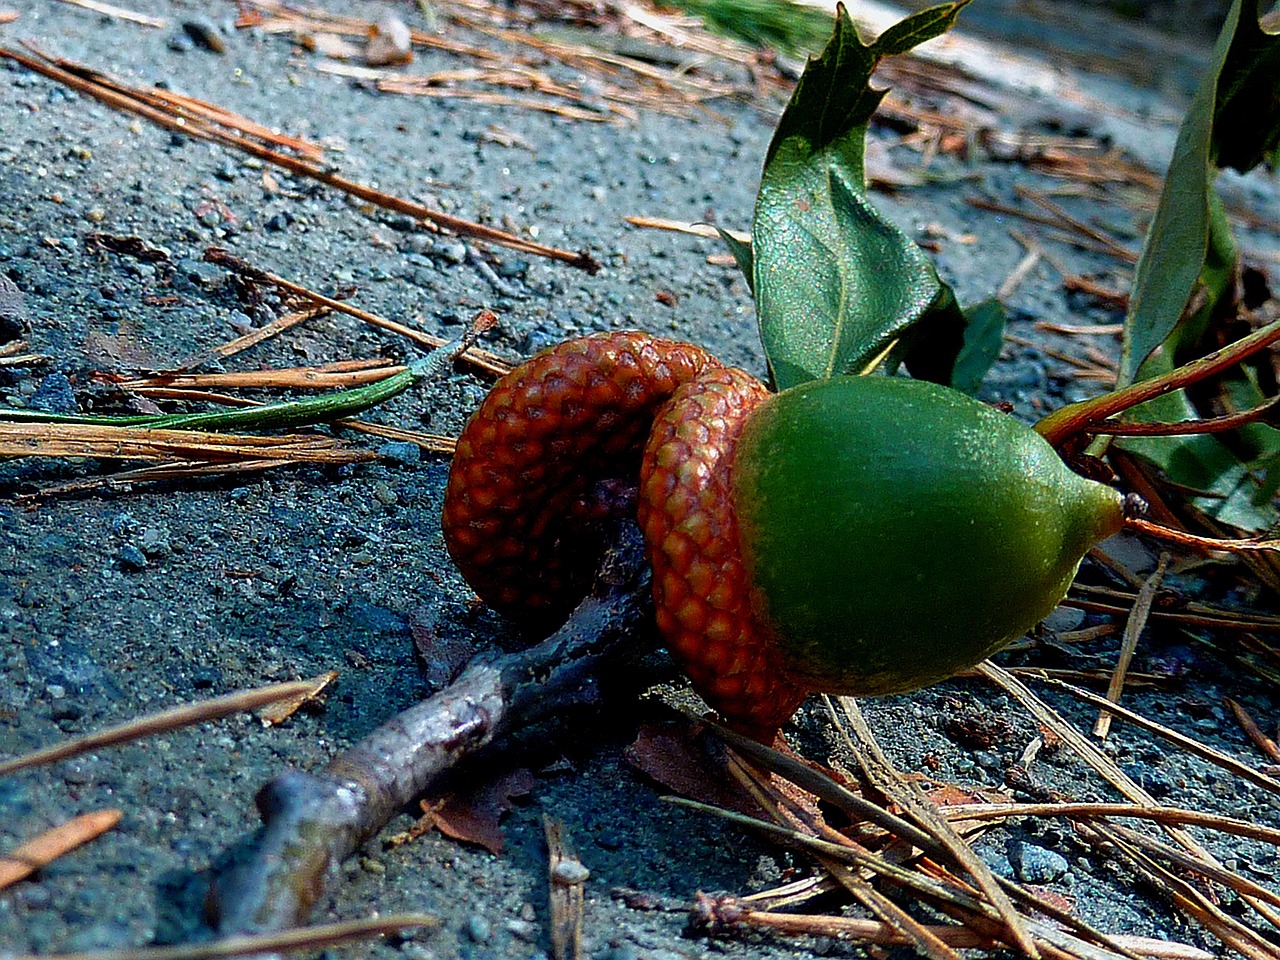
277,712
314,938
1109,600
691,229
24,860
134,443
163,722
913,802
1192,746
1133,628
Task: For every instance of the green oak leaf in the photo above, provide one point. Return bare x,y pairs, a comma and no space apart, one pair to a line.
836,284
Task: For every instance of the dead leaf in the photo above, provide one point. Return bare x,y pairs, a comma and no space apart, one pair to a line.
474,816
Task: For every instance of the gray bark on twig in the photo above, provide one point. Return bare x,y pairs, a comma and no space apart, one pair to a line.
314,821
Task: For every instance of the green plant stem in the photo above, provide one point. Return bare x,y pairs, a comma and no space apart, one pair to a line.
294,413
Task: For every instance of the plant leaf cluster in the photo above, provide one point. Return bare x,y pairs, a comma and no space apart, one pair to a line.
838,287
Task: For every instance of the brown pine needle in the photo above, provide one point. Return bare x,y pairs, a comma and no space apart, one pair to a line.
1133,628
162,722
680,226
24,860
1253,731
918,807
125,479
254,337
134,443
1093,811
119,13
878,932
431,442
479,358
314,938
1203,751
275,713
340,375
167,115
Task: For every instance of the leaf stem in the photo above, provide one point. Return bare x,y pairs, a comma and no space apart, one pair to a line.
1071,421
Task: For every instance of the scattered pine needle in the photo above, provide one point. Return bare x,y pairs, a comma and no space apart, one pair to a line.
314,938
79,440
1253,731
164,722
1133,628
24,860
119,13
223,127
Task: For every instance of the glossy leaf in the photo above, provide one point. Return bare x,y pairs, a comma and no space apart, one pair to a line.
1175,246
835,283
1246,127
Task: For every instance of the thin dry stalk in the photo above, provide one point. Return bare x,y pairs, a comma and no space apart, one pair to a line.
915,804
266,332
774,801
1253,731
481,359
119,13
164,722
314,938
121,97
38,852
1117,249
1019,273
567,878
125,479
1107,768
342,374
878,932
1192,746
1133,628
680,226
132,443
1093,811
431,442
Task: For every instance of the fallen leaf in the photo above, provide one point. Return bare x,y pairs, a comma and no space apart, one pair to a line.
474,816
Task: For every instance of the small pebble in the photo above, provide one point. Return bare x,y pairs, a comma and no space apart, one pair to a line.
478,929
403,453
204,33
523,930
131,558
1032,864
450,251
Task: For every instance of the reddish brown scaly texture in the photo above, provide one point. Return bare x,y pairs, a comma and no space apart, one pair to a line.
554,448
701,588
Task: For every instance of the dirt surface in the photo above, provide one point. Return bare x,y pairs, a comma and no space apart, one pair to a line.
117,603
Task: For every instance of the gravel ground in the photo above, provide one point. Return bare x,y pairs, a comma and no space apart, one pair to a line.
115,604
